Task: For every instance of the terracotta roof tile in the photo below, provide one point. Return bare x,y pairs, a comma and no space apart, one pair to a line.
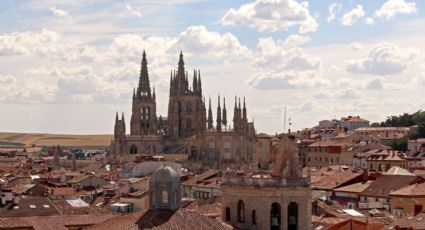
386,184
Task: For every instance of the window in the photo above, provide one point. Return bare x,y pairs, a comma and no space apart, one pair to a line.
241,212
253,218
188,124
227,144
164,197
292,216
227,214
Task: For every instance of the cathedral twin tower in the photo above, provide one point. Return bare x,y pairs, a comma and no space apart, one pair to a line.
187,115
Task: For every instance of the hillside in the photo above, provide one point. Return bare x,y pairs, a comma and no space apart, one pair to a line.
40,139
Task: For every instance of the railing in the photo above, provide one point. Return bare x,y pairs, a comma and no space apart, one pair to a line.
266,182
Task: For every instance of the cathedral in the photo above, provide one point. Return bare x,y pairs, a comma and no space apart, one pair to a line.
188,128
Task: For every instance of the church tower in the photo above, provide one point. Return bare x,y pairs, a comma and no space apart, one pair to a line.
143,117
186,109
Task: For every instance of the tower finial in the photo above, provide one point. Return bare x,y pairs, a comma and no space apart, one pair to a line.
224,119
210,119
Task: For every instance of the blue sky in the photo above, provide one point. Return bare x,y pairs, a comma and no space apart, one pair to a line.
67,66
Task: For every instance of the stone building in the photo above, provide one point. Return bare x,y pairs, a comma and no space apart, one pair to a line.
264,201
189,127
164,189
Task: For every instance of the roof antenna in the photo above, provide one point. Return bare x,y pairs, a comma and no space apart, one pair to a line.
284,120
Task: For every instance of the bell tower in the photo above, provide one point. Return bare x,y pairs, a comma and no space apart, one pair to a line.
143,117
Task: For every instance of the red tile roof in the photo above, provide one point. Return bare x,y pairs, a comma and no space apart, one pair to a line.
386,184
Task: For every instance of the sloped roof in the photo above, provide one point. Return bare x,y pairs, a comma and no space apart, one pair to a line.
354,188
30,206
162,219
335,180
395,170
411,190
411,222
386,184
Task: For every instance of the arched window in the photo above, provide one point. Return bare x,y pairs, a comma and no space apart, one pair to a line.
227,214
253,218
188,107
293,216
188,124
241,212
275,216
164,198
133,149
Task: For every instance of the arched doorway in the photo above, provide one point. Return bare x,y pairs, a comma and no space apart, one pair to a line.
228,214
241,212
133,149
253,218
293,216
275,216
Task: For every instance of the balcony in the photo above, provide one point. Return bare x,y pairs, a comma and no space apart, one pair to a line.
265,182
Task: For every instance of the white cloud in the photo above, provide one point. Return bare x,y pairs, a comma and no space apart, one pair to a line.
266,15
296,40
322,95
356,46
348,94
369,21
195,40
198,40
132,11
7,79
392,7
46,43
288,80
271,55
383,59
333,8
58,12
352,16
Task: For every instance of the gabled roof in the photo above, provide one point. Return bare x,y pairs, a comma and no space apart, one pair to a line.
386,184
335,180
413,190
354,188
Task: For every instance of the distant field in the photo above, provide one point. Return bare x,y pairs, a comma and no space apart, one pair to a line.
40,139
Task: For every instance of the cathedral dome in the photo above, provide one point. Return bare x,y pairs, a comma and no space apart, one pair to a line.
164,176
164,186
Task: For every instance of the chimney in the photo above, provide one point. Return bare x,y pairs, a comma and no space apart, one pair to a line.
365,176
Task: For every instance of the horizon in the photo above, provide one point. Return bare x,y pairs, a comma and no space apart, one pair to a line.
68,66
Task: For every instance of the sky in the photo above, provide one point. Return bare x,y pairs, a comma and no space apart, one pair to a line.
66,66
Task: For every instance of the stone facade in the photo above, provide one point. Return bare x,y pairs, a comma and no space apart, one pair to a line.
260,201
187,128
280,200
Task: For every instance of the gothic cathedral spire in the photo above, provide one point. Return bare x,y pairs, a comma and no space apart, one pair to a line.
144,87
210,119
224,120
218,119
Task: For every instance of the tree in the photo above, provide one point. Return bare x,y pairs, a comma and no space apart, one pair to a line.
399,145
